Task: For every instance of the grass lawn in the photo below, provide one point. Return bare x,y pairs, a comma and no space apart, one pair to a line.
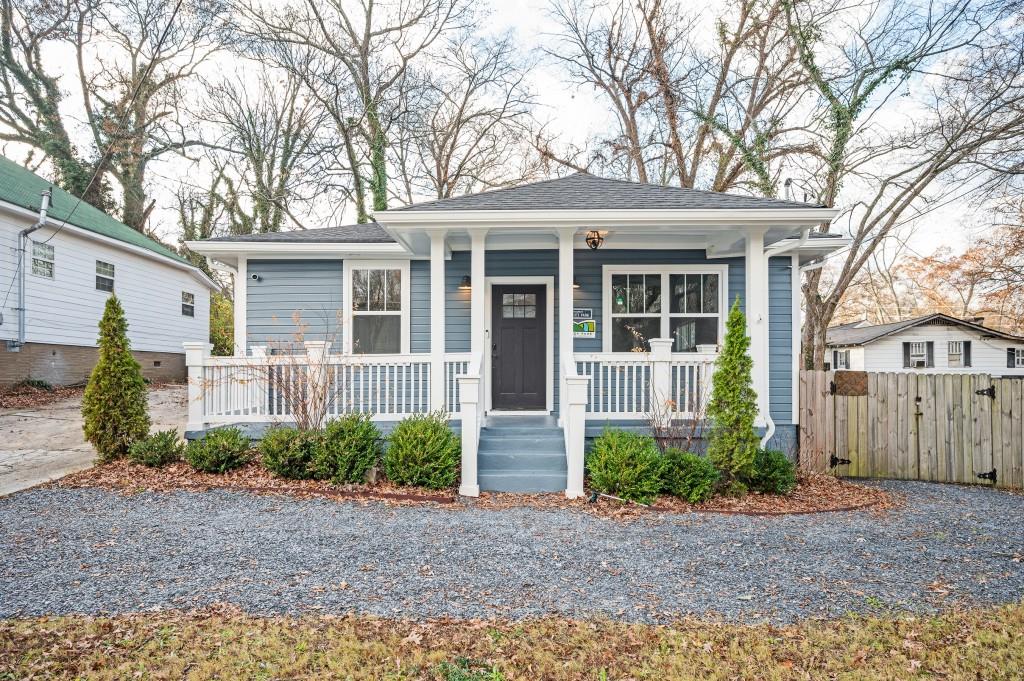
980,644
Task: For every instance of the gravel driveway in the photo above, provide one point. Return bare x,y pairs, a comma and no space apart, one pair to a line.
91,551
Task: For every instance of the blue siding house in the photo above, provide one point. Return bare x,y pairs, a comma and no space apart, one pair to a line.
534,315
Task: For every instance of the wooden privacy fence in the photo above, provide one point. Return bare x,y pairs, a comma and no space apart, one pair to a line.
966,428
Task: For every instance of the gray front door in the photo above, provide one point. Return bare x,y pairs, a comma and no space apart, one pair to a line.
518,357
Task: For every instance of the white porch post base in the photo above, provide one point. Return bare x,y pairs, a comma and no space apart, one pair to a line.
195,356
469,396
575,425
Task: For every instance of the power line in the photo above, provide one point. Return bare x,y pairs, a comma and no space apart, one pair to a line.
106,152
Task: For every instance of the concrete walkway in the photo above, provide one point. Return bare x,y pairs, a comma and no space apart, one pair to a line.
46,443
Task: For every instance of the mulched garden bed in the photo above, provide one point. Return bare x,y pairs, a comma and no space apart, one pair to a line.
24,396
814,494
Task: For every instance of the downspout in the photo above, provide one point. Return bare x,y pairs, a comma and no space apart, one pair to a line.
22,243
805,234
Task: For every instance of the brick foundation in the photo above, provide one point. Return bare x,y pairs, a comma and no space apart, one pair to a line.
70,364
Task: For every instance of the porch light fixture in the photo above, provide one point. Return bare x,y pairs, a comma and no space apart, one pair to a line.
575,284
594,239
466,284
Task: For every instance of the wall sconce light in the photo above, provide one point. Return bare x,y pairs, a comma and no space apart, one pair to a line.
466,284
575,284
594,239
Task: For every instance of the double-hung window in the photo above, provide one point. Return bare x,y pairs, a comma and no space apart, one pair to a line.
104,276
188,304
955,353
42,260
680,302
1018,358
378,295
840,360
918,354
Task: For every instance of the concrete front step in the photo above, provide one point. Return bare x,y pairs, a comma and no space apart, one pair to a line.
524,481
553,462
520,443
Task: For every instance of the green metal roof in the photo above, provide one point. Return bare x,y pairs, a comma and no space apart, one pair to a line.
22,187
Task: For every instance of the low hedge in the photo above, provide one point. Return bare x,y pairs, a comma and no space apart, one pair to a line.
774,473
350,447
158,449
689,476
423,450
290,452
626,465
219,451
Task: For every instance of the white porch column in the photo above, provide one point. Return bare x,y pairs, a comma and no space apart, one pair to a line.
477,275
472,412
195,356
757,316
564,317
241,288
437,328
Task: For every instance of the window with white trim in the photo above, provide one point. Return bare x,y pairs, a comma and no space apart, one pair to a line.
1018,358
955,353
683,303
42,259
378,308
840,360
104,276
918,354
188,304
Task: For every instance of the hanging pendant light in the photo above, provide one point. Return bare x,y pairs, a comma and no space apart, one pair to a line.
594,239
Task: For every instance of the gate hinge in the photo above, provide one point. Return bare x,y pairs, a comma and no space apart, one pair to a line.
991,475
990,391
836,461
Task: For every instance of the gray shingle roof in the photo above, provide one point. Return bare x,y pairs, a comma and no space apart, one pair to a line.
849,334
369,233
583,191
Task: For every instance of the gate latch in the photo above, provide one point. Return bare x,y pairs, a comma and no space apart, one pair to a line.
836,461
990,391
991,475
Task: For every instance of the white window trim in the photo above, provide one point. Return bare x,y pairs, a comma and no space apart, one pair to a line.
52,260
347,267
112,278
192,304
955,349
666,305
845,354
1018,358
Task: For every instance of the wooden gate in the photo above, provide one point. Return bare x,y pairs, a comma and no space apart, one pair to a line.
966,428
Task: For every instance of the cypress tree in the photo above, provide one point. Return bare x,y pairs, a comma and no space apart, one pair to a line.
733,443
114,407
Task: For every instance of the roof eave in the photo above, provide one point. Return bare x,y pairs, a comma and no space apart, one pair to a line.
247,248
546,219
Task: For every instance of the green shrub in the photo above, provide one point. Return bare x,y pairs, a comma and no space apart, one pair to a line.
220,451
159,449
351,446
289,452
424,451
732,441
626,465
689,476
773,473
38,384
114,407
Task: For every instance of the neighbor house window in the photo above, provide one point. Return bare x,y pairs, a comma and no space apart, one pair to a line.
1018,358
188,304
918,354
104,276
379,308
840,359
956,356
42,260
678,302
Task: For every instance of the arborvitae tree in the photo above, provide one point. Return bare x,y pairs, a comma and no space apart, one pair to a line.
733,442
114,407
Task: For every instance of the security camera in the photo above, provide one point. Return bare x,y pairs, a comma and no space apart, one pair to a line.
255,277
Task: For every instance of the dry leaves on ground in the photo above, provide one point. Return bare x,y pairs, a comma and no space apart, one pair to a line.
24,396
814,494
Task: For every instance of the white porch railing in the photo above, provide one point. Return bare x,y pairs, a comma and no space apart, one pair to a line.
625,386
269,388
471,399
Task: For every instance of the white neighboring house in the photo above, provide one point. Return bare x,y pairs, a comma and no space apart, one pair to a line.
934,343
68,271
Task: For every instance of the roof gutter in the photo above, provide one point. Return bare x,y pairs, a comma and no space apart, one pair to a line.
779,249
44,206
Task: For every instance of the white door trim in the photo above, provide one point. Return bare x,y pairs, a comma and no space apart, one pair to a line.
549,283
